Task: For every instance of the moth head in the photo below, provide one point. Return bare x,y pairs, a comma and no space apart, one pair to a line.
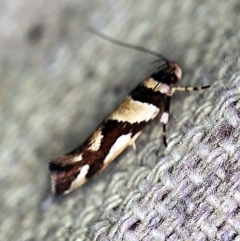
173,72
169,73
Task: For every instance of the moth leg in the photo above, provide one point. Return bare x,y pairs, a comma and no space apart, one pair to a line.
188,88
165,114
132,142
164,135
164,118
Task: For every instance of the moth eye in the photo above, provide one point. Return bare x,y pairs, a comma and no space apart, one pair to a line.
174,79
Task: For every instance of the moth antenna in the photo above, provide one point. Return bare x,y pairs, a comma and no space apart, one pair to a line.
123,44
161,66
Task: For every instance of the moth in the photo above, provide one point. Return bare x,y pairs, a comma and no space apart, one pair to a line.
122,127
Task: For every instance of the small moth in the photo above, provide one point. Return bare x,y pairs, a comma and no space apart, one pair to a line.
121,128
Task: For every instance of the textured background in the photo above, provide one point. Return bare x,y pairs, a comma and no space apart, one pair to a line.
58,82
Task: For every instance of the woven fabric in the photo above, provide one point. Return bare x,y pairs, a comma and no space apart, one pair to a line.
58,82
193,196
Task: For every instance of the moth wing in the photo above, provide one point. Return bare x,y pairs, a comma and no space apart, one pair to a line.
67,175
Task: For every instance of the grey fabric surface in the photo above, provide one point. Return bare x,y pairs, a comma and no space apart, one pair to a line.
58,82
